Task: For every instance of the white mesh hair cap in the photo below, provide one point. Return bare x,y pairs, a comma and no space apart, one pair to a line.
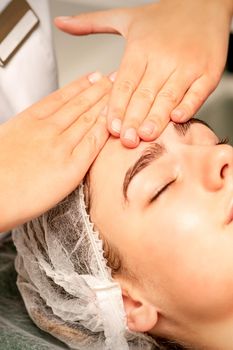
66,284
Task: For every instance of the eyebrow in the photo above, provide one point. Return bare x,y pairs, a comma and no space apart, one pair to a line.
154,152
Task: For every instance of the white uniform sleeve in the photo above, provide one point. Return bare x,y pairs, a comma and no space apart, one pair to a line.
31,73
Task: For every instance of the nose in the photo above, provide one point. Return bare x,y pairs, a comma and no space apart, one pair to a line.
217,166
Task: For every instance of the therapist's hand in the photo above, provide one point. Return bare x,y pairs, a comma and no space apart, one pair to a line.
174,57
46,150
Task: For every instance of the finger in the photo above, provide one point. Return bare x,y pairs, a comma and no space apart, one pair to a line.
87,150
166,100
59,98
193,99
140,104
75,133
110,21
80,104
123,88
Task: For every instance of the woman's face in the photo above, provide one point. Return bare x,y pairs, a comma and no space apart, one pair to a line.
170,217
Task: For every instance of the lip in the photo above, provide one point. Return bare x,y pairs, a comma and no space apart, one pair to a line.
230,214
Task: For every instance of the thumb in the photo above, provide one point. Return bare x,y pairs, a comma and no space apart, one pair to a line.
111,21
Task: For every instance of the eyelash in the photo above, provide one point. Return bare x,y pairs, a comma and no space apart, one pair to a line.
164,188
223,141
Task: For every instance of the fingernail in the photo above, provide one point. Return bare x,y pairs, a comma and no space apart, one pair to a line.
112,76
131,135
94,77
64,18
116,125
147,128
178,113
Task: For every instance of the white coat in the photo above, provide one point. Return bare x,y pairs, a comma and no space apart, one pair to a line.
31,73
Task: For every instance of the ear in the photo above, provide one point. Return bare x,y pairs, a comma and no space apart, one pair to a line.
142,316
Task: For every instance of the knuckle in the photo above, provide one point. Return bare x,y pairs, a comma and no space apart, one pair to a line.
82,101
125,86
117,111
196,99
155,118
87,118
188,107
169,95
146,94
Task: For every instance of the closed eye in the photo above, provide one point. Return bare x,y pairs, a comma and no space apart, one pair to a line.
164,188
224,141
161,191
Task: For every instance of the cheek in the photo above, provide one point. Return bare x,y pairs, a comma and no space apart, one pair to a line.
191,259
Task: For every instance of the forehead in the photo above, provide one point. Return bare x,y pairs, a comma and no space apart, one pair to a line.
117,158
109,169
106,182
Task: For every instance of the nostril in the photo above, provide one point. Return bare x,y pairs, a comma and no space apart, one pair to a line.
223,171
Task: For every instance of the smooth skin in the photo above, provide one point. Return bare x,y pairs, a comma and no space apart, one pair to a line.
46,150
174,234
174,58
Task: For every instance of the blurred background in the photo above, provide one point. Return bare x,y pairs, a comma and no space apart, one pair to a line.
78,55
